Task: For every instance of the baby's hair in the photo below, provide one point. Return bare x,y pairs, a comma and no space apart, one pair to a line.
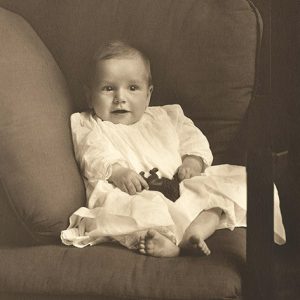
116,49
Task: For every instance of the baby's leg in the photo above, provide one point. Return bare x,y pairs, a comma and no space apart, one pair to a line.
158,245
200,229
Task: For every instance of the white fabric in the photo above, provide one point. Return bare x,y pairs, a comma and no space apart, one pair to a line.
160,139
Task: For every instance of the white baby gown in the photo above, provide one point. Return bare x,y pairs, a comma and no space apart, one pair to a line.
160,139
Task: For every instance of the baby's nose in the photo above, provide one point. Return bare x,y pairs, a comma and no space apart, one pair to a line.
119,97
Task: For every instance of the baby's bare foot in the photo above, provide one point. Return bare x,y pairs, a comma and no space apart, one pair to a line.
155,244
199,243
195,242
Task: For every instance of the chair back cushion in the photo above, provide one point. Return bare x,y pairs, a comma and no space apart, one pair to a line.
203,54
40,183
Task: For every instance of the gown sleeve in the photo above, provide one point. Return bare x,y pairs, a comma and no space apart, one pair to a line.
192,140
93,151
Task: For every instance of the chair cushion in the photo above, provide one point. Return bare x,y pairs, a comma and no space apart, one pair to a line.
108,271
40,185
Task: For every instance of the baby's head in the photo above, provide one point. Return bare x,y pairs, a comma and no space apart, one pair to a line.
120,86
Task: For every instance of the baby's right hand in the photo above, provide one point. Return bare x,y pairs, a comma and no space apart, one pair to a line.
127,180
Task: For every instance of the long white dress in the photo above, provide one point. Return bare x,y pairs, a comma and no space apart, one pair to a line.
160,139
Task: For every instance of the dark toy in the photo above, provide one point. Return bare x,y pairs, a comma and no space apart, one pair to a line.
168,187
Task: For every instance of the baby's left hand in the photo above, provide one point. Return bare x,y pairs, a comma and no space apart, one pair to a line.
191,166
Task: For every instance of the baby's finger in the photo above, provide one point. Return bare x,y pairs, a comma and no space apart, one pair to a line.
137,184
123,188
188,174
181,173
143,182
131,188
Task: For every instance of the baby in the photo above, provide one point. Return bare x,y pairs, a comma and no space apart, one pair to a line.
122,136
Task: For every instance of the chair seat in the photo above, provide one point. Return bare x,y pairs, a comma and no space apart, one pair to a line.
109,271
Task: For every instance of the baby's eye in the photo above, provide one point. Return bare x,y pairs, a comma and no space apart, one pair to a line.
107,88
133,87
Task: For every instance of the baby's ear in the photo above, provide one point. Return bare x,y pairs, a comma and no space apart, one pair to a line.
150,90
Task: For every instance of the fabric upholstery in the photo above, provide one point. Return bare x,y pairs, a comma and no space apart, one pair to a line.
203,57
202,53
112,272
40,183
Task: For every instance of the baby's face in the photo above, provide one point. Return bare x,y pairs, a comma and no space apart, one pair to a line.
121,91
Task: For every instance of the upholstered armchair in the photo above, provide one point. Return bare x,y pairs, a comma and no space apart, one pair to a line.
204,56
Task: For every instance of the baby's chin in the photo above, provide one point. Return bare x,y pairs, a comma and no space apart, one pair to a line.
124,119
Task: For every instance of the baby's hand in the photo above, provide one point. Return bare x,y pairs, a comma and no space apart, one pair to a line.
127,180
191,166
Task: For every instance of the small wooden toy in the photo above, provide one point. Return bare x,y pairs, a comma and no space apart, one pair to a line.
168,187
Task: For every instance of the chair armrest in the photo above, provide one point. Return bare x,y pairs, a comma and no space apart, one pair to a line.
264,167
259,224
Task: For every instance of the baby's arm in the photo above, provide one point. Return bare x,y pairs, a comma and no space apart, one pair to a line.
94,152
193,145
98,159
127,180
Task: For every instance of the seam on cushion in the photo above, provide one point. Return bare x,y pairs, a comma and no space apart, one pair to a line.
15,212
259,32
237,297
94,297
154,298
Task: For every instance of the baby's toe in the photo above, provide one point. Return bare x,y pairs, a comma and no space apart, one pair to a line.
142,240
142,251
149,247
141,246
150,234
202,245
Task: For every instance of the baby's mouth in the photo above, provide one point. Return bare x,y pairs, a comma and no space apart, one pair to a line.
119,111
